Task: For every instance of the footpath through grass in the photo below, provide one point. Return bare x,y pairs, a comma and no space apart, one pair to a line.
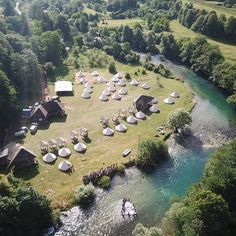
101,151
228,50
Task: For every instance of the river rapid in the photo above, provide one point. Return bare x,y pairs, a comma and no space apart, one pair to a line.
152,193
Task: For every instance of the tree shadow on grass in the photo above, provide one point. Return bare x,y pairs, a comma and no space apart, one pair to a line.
60,71
27,173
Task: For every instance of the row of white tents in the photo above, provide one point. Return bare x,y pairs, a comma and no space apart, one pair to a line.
131,120
64,152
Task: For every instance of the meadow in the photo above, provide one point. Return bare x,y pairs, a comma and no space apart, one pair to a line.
212,6
228,50
101,151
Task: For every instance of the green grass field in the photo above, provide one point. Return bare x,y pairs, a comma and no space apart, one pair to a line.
209,6
228,50
101,151
119,22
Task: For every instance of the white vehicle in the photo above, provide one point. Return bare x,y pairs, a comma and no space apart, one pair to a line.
33,128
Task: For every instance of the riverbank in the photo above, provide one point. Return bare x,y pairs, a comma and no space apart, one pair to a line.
152,193
101,151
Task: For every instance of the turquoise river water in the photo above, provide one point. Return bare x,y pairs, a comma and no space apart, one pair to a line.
152,193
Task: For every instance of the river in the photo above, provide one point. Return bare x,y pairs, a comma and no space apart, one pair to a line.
152,193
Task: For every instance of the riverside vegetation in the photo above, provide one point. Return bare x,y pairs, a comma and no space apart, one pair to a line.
32,55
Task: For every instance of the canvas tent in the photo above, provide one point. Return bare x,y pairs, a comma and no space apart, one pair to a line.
146,86
175,95
100,80
121,83
88,85
131,119
121,128
115,79
116,96
134,82
140,115
88,90
108,131
85,95
95,73
64,166
123,91
49,157
80,147
154,109
169,100
83,80
106,92
111,88
103,98
64,152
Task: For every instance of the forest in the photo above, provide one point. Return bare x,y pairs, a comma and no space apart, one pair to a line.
33,42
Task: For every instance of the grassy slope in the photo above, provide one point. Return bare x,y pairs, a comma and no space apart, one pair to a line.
102,151
201,4
228,50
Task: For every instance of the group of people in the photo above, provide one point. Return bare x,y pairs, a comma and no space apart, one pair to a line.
96,175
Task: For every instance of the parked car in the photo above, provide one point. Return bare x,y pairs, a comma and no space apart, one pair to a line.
19,134
24,128
33,128
126,152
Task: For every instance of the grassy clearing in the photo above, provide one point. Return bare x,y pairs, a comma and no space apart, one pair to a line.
209,6
228,50
119,22
101,151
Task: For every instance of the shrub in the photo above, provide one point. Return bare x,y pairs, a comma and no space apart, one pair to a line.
121,169
144,72
151,153
85,194
104,182
127,76
112,68
136,73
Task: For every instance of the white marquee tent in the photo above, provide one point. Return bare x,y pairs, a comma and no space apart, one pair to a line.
131,119
64,165
49,157
116,96
140,115
80,147
123,91
146,86
108,131
169,100
121,128
64,152
103,98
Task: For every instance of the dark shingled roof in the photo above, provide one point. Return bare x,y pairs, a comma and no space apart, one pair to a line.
142,102
53,107
21,152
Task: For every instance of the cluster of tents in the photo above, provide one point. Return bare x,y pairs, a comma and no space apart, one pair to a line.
170,100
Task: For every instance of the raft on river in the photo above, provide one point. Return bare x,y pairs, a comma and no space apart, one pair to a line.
128,209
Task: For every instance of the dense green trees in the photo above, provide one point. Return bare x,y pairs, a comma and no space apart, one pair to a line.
8,102
23,211
151,153
209,207
85,194
208,23
178,119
